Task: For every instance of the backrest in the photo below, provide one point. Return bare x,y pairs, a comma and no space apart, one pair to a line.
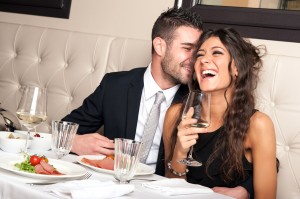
278,96
70,65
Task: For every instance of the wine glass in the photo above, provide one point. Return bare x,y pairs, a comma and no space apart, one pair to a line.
200,103
31,110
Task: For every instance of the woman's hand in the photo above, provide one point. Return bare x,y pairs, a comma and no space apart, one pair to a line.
187,135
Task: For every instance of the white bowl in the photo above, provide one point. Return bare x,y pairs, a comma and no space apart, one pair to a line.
42,143
13,145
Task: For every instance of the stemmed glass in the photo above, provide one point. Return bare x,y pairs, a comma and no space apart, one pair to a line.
31,110
199,102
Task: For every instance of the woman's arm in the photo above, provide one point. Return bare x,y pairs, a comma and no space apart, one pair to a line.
262,140
185,138
171,117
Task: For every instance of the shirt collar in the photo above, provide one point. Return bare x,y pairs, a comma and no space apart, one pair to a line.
151,87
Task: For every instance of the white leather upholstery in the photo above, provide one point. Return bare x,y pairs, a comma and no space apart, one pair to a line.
278,96
71,65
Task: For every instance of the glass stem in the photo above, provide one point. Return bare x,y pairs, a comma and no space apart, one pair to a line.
190,156
26,142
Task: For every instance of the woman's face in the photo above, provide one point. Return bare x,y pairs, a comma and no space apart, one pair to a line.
211,67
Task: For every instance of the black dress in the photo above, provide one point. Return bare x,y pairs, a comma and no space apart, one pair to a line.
198,175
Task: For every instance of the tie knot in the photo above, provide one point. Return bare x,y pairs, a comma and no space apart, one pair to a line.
159,98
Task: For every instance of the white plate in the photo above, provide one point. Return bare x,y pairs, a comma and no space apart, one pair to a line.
69,169
142,169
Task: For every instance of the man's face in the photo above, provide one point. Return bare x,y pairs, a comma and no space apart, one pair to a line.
178,62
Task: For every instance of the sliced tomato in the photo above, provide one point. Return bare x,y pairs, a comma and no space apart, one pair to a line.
34,160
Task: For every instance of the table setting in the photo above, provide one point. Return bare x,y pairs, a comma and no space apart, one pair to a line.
39,165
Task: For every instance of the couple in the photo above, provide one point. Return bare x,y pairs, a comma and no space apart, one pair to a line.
238,149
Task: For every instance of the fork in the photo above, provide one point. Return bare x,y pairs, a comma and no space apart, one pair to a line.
87,175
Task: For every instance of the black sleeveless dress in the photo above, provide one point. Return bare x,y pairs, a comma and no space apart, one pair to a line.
198,175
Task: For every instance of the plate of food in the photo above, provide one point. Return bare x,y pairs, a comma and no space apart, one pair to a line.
40,167
105,164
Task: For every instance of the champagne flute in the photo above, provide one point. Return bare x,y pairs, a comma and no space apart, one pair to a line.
31,110
200,103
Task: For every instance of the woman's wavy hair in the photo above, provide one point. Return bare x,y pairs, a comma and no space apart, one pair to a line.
229,146
247,59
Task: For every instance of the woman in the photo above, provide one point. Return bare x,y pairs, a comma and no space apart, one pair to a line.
239,145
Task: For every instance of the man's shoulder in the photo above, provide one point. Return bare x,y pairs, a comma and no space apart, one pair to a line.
126,74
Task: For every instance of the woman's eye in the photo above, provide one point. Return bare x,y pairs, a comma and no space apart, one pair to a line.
217,53
199,55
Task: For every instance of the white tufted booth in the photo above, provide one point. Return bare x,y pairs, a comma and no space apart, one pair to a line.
278,96
71,65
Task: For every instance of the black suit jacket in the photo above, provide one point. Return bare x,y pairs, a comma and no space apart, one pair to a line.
115,104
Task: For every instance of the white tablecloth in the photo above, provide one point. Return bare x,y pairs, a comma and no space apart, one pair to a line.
13,186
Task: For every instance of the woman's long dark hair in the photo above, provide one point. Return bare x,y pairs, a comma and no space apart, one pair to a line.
229,146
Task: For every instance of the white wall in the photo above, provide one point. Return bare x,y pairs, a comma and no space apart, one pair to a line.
123,18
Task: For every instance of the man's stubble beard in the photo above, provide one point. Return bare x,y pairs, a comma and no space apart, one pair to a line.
171,70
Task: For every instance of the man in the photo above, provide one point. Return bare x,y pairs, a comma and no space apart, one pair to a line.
123,100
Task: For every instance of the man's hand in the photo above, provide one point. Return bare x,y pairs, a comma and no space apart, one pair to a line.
94,143
236,192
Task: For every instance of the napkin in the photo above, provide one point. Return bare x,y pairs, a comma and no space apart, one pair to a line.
88,189
176,186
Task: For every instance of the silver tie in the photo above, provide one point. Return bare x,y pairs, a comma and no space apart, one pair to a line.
151,125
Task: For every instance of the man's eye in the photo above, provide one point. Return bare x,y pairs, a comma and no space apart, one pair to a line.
187,49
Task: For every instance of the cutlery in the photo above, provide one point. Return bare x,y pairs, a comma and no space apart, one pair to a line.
139,179
84,177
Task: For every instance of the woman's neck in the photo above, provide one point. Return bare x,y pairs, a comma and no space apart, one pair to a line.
218,109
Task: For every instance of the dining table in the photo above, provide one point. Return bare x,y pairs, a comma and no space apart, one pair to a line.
15,186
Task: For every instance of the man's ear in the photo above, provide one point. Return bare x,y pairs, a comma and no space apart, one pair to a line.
159,46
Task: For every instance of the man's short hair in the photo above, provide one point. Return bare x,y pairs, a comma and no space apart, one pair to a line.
168,22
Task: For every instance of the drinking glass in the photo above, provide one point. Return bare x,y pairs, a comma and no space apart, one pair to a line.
199,102
126,159
63,134
31,110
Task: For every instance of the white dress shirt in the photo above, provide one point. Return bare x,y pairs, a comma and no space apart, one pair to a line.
147,100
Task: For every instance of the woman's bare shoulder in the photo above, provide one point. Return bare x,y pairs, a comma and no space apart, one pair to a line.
172,115
174,109
261,125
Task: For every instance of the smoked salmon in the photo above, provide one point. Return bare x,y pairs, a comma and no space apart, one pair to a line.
106,163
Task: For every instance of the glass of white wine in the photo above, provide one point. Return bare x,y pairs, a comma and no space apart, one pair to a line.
31,110
199,102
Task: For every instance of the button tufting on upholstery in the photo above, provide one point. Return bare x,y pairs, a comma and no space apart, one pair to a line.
39,60
286,148
71,99
92,70
66,65
272,104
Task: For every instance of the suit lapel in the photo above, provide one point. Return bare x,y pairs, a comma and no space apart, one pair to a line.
134,98
180,94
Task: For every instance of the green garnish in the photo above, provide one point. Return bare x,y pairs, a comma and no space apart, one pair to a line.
25,165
